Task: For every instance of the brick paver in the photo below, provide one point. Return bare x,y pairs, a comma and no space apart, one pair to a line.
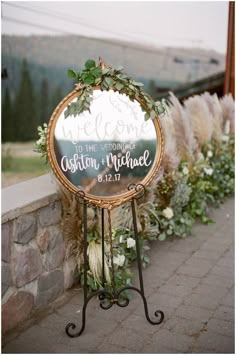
191,280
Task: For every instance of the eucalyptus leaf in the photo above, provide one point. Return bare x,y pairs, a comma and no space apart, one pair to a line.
73,109
90,63
67,112
119,86
105,71
71,73
162,237
146,259
109,81
78,105
152,114
104,85
89,79
97,81
96,72
136,83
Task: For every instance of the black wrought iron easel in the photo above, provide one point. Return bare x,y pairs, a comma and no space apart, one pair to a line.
108,298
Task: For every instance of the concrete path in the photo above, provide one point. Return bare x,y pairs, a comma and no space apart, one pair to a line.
191,280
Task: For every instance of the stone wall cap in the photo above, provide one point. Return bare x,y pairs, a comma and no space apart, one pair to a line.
28,196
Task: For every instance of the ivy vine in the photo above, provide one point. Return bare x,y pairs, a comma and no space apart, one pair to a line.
107,78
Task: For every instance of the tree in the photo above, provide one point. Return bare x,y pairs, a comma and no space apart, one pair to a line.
7,118
25,108
44,108
57,96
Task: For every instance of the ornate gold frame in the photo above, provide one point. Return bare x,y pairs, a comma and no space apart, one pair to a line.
100,201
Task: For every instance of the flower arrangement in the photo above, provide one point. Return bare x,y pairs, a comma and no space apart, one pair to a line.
40,144
197,172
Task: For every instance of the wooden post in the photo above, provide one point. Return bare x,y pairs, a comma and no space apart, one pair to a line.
229,70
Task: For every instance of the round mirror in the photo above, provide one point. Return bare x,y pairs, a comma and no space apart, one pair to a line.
103,151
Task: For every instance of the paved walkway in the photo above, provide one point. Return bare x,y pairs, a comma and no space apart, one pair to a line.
191,280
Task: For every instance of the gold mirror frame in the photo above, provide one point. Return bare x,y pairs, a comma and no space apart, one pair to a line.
100,201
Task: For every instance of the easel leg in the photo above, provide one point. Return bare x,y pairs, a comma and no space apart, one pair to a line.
72,325
141,292
101,295
103,251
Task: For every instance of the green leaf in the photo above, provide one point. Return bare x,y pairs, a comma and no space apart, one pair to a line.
73,109
119,86
78,105
71,73
162,236
109,81
90,63
146,259
105,71
96,72
198,212
89,79
67,112
97,81
146,116
136,83
146,247
152,114
104,85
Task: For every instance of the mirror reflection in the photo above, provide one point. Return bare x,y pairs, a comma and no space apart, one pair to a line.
104,150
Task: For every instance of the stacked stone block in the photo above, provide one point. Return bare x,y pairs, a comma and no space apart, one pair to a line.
34,272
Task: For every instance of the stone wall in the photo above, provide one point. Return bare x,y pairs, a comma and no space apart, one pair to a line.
34,272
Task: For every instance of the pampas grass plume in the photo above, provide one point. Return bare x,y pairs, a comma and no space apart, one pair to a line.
201,119
228,111
171,158
216,114
94,252
183,132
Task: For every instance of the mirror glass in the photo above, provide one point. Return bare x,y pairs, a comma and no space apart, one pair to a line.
104,150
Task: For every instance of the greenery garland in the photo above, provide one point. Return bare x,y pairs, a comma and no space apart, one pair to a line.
107,78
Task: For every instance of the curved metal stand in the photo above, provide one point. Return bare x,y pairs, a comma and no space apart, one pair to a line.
109,298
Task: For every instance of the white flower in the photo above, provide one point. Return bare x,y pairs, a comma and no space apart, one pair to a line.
208,171
209,154
168,212
130,243
119,260
185,170
121,238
